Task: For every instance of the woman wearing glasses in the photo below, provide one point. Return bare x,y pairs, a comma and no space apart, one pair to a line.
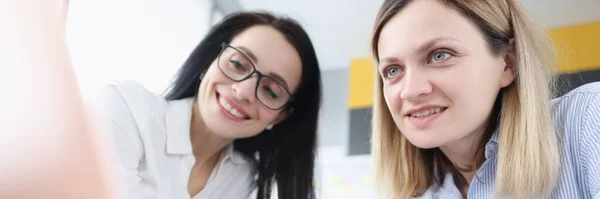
240,115
463,107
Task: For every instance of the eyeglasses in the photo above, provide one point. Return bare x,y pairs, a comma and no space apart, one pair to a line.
236,66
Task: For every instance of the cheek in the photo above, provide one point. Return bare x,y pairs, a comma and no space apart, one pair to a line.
466,79
391,94
483,70
471,90
451,84
266,115
214,73
213,76
477,81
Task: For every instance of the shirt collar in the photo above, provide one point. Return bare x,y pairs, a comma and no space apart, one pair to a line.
491,147
178,120
231,154
447,190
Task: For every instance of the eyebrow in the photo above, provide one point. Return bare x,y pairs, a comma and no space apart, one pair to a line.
424,48
279,79
271,75
389,59
433,42
249,53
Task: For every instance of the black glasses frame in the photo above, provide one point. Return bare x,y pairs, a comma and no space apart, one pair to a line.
254,71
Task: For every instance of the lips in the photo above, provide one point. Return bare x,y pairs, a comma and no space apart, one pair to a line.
427,112
231,109
422,116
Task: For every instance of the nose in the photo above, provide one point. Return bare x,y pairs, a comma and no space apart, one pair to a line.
245,90
415,84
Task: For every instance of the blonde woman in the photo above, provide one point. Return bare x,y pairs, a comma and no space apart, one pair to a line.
463,107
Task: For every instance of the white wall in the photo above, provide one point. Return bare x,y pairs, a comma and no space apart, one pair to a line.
334,114
340,29
339,175
344,177
141,40
558,13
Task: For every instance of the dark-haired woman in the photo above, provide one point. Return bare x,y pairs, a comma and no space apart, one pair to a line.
240,115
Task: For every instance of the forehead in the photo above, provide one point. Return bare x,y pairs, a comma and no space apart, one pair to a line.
275,55
422,21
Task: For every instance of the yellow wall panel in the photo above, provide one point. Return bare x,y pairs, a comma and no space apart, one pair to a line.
361,78
578,47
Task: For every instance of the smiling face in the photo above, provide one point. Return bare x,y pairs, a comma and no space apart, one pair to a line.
230,108
440,79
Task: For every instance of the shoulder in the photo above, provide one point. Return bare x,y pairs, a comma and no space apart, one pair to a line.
127,96
123,103
132,93
581,131
577,104
577,118
589,89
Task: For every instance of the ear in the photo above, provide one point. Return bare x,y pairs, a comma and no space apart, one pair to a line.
510,68
283,115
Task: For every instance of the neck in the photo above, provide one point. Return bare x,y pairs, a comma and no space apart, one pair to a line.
206,145
462,153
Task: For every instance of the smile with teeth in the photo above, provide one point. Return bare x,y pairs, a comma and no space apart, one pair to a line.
426,113
230,109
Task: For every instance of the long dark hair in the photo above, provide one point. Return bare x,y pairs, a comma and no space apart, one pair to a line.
286,153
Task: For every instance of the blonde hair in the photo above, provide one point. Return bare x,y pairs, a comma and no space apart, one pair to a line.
528,154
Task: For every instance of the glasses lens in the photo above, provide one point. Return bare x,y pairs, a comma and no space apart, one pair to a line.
234,64
272,93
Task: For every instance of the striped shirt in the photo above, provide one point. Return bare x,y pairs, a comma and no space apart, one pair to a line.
577,123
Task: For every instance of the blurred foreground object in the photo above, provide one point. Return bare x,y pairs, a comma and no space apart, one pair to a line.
47,148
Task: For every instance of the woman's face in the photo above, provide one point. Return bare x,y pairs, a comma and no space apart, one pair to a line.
440,79
235,109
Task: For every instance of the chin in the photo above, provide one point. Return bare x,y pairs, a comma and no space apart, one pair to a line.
424,142
425,145
231,133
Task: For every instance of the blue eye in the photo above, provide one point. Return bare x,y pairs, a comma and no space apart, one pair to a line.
440,56
392,72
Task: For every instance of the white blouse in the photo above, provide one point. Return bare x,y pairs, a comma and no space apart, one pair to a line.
153,150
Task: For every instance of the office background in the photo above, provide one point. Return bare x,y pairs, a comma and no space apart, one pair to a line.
147,40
